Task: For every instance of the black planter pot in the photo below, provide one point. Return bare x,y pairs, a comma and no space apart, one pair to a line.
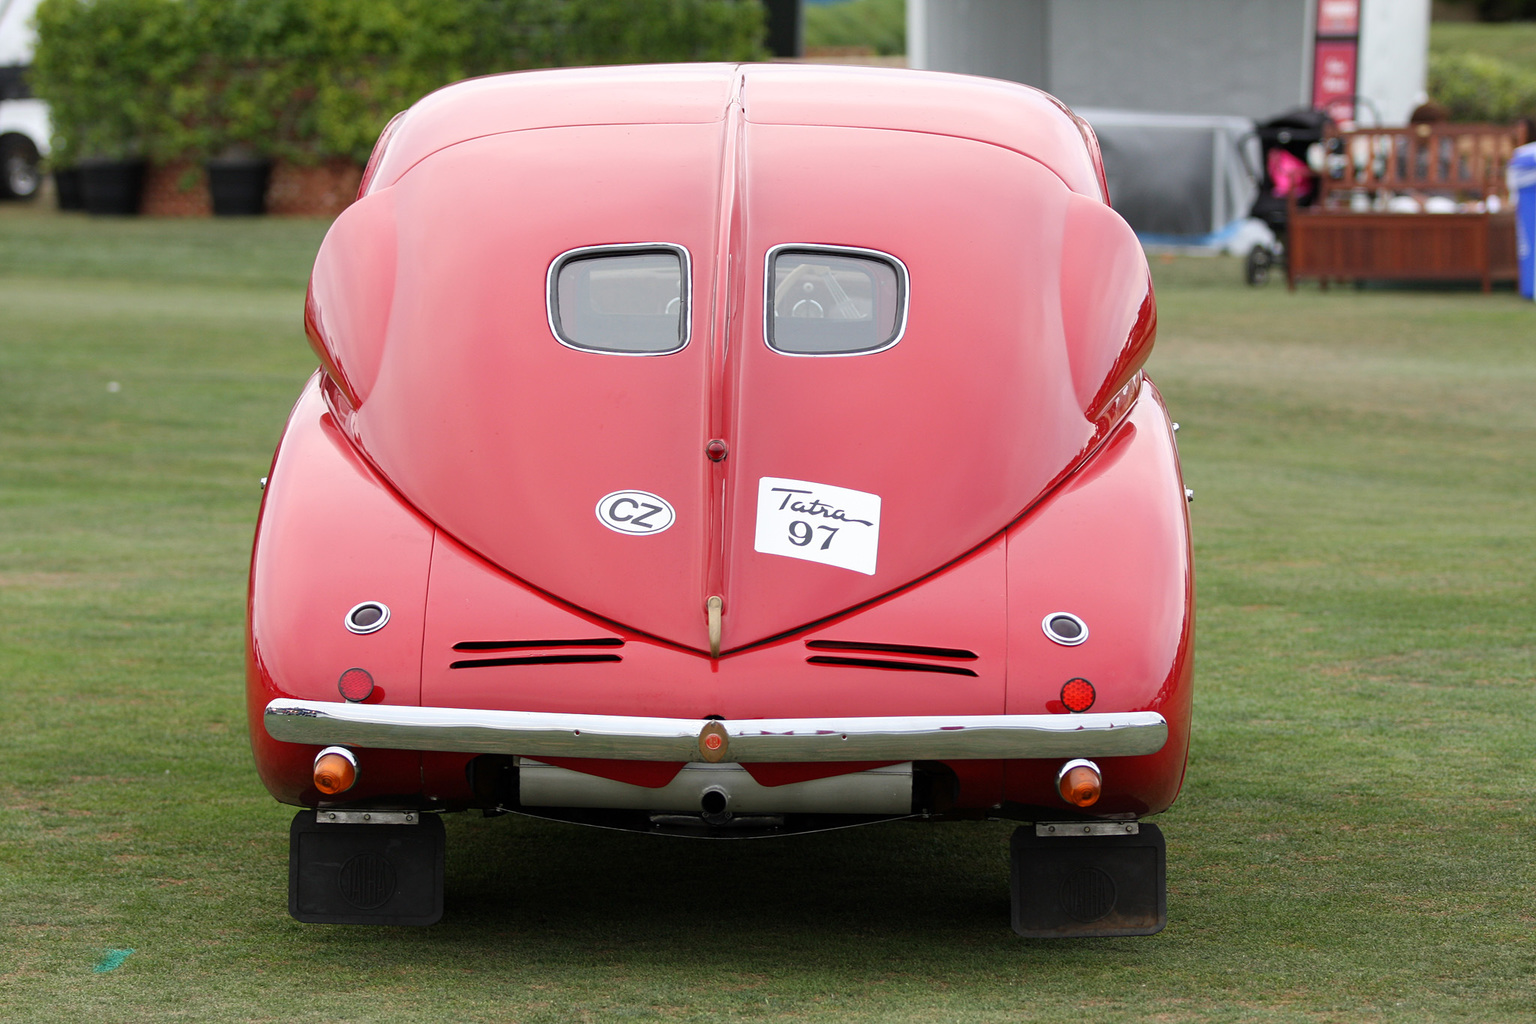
67,189
238,187
112,186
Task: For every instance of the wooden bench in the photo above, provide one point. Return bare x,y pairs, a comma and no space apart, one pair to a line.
1349,234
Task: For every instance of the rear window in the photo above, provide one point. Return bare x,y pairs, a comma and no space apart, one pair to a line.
829,301
625,299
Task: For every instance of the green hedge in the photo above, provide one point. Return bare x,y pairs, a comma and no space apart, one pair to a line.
1477,88
877,25
308,80
105,69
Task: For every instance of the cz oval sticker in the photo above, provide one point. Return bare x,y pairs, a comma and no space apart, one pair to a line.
637,512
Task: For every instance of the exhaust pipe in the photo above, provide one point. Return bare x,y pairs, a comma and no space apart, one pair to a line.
715,805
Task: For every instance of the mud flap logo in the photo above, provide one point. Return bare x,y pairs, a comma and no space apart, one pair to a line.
635,512
818,523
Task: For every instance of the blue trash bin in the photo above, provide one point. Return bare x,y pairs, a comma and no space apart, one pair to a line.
1521,173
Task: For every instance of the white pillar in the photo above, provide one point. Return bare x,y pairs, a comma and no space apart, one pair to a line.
1394,59
917,33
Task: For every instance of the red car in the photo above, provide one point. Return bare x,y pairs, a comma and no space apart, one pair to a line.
727,451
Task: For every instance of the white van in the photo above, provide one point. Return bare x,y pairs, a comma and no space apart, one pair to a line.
24,124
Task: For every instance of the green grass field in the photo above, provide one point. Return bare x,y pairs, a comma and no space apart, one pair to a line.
1511,41
1354,842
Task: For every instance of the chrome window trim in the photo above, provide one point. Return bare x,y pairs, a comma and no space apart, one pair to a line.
619,248
903,283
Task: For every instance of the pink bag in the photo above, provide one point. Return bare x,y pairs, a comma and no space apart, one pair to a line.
1291,176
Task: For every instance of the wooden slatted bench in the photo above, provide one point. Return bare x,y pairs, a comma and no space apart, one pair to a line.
1348,234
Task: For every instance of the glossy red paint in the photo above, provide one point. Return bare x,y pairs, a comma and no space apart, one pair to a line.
449,460
1027,121
1111,546
332,535
482,435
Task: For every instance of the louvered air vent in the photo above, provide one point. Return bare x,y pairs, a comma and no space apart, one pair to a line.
534,645
947,653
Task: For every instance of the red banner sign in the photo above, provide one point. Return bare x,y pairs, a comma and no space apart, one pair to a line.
1333,78
1338,17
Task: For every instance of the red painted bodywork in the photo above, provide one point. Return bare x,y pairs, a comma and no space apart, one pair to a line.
447,459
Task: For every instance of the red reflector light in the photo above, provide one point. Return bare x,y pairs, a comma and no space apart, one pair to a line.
355,684
1077,695
335,770
1079,783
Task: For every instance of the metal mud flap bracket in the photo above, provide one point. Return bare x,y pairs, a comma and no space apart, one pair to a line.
1080,879
365,867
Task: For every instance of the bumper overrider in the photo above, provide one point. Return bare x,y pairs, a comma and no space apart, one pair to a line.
542,734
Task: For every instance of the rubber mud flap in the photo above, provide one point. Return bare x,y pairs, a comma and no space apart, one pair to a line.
1088,886
365,874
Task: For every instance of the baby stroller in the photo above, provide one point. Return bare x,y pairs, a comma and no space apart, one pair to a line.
1283,142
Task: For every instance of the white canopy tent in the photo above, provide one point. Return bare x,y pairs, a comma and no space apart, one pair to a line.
1181,179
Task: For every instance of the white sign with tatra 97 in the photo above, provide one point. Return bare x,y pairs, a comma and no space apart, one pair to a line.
818,523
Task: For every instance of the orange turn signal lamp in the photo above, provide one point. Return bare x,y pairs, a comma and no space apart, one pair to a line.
335,770
1079,782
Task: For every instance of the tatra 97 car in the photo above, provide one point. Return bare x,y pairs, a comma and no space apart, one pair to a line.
727,451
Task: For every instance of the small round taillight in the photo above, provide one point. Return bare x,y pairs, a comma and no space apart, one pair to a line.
1065,628
335,770
368,617
1078,695
1079,782
356,685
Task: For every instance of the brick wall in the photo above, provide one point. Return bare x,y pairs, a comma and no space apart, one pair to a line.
321,191
176,189
180,189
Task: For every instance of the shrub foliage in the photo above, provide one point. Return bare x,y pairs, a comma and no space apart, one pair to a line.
308,80
879,26
105,68
1473,87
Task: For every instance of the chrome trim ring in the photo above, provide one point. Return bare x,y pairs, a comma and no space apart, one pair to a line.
903,280
1046,624
343,751
542,734
372,627
1076,762
551,313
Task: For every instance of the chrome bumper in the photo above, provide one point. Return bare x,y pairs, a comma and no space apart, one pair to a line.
749,741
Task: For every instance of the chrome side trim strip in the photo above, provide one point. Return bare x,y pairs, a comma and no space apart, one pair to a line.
543,734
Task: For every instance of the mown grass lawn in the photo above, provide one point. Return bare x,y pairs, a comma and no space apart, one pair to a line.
1510,41
1354,842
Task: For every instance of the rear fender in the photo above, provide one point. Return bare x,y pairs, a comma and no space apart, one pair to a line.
1108,311
1112,547
332,535
351,291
